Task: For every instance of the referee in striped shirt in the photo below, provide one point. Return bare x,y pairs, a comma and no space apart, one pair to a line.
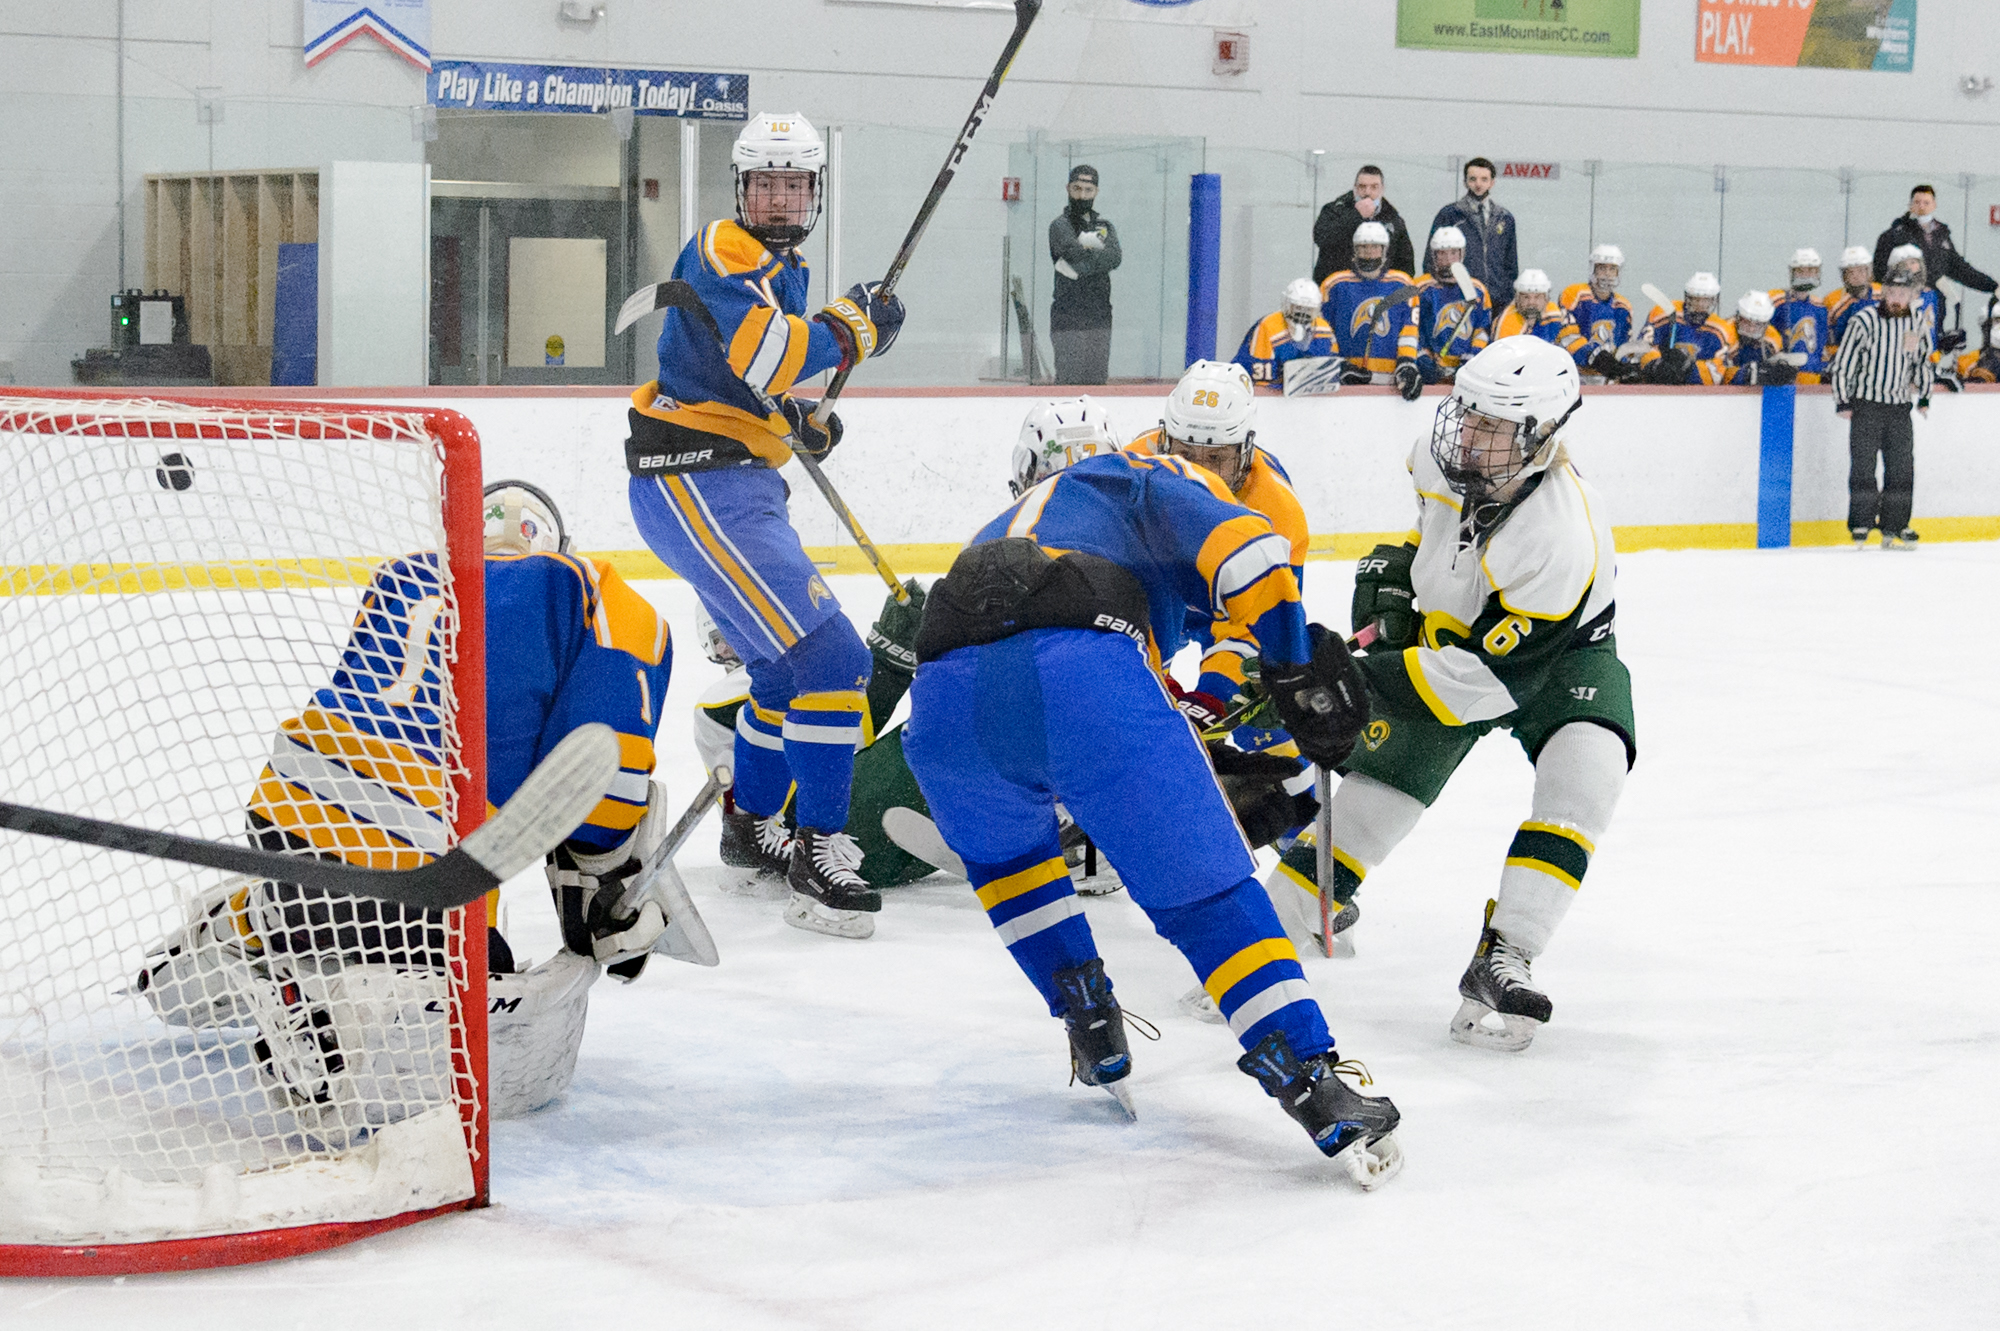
1884,364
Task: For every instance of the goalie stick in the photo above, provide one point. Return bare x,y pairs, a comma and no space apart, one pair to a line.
1024,18
678,295
550,804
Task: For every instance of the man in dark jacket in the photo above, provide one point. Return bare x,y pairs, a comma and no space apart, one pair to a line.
1491,253
1333,229
1922,227
1085,249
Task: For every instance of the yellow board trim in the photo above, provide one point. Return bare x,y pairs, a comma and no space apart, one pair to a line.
1567,833
1259,954
1542,866
1023,882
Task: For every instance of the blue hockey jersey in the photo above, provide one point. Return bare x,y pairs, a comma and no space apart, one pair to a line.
1450,329
1269,344
361,771
758,301
1603,324
1176,528
1370,336
1802,327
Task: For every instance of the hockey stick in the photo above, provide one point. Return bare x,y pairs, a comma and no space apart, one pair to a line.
678,295
550,804
1024,18
704,800
1323,860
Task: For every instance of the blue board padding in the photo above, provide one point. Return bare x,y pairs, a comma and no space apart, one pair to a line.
1774,469
295,318
1204,264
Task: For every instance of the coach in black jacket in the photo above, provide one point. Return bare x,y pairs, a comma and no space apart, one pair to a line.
1923,228
1333,229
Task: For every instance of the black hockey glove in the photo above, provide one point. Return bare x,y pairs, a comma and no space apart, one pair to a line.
1383,596
1324,702
1353,373
1778,373
1671,369
814,440
1952,341
1255,785
1843,408
1603,362
1409,381
892,638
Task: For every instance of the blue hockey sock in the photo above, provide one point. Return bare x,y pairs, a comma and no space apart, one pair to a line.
822,728
1236,945
763,779
1034,909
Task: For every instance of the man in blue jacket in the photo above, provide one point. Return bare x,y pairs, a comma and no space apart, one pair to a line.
1491,253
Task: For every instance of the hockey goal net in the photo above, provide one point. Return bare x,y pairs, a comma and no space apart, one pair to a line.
195,1069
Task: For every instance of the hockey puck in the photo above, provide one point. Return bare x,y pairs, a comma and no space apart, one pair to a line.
175,472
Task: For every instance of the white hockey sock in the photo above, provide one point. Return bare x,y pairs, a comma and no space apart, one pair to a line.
1578,778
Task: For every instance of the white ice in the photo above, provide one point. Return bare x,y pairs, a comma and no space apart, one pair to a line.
1767,1097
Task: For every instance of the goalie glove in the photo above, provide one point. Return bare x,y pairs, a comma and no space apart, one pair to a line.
815,439
1323,702
601,916
1384,597
1409,381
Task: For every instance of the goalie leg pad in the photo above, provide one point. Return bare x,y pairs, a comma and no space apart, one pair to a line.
535,1027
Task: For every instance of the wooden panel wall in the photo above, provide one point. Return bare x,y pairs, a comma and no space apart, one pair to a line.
214,239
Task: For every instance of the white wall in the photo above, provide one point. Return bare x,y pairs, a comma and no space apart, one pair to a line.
374,273
934,469
1322,75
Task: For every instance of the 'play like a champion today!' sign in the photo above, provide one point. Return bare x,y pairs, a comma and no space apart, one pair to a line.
472,85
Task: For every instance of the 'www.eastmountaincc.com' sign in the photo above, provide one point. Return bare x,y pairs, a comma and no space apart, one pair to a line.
470,85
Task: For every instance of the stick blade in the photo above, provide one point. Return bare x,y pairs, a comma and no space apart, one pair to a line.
637,306
1463,276
551,803
1657,296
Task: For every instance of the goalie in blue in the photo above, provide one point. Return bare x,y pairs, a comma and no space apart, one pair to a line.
1039,680
706,495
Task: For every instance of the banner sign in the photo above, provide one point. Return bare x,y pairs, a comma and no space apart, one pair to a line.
1817,34
404,26
1522,27
1531,171
474,85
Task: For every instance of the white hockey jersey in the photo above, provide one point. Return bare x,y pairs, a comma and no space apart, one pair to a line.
1496,618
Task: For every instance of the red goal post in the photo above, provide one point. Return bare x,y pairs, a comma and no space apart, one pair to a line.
183,570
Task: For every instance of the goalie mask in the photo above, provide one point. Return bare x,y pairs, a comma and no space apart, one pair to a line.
1499,425
713,645
1301,309
1209,419
1056,434
522,520
780,168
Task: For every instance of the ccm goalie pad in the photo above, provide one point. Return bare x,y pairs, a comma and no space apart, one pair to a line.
346,1035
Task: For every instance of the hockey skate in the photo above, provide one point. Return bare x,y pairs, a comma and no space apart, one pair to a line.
1098,1052
829,895
1501,1009
1356,1129
1905,539
751,842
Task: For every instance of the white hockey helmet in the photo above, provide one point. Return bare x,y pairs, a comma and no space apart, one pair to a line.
1703,284
1212,407
1519,379
779,141
1301,307
1371,233
521,519
713,645
1055,434
1532,280
1610,254
1447,238
1806,257
1856,256
1755,306
1906,267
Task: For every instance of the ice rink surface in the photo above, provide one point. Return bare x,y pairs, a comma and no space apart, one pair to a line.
1767,1098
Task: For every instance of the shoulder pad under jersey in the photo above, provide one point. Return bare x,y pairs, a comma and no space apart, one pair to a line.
1544,557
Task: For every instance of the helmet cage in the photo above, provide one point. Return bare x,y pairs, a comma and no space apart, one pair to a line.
1245,451
1477,479
789,235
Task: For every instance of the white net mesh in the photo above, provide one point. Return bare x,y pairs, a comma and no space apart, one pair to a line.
229,625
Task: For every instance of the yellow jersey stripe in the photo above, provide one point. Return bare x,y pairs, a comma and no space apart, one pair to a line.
1261,953
726,563
1021,883
1414,665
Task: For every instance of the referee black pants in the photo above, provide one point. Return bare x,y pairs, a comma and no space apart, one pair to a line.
1879,429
